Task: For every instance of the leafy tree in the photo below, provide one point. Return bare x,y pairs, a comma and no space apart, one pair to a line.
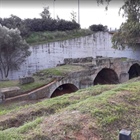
19,23
73,16
13,50
12,22
98,27
46,23
129,32
16,22
64,25
0,20
45,14
57,18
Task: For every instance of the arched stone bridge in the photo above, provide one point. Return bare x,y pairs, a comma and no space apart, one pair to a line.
100,71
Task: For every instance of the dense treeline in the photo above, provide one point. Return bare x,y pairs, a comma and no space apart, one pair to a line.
27,26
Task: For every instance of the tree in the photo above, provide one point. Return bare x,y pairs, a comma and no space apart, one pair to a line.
97,28
131,8
13,50
12,22
73,16
129,32
45,14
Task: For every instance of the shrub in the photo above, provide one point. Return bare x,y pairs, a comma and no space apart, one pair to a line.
27,26
98,27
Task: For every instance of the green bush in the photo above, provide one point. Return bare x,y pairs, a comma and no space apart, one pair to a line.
98,27
27,26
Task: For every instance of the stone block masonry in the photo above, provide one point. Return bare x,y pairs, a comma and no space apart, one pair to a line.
26,80
106,71
52,54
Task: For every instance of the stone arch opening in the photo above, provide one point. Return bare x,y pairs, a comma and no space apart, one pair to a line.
106,76
64,89
134,71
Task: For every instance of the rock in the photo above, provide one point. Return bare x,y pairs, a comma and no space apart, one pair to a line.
26,80
77,60
10,91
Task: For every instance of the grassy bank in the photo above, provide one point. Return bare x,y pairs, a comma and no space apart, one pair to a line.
98,112
45,37
43,77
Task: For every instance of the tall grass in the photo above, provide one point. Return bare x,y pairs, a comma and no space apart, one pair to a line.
44,37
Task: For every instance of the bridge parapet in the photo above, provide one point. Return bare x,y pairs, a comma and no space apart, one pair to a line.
120,66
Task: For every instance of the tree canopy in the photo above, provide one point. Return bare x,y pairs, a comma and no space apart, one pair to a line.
45,23
45,14
13,50
129,32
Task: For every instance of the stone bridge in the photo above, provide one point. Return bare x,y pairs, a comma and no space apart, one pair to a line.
99,71
95,71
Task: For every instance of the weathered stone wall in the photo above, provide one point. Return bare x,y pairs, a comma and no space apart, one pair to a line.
111,71
26,80
2,97
77,60
10,91
53,54
85,78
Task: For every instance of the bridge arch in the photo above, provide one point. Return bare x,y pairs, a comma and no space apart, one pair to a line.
106,76
64,89
134,71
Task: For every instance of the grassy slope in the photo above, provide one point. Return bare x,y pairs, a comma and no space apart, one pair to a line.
45,37
98,112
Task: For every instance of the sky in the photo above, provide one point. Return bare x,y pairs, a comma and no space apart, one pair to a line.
89,12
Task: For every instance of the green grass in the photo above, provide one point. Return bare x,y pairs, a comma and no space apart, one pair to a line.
57,103
45,37
60,70
102,110
18,133
4,84
29,125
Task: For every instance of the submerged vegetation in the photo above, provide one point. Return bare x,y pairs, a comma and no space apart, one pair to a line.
98,112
